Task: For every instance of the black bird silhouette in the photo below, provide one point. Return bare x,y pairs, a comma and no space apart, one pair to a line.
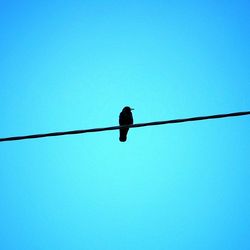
125,118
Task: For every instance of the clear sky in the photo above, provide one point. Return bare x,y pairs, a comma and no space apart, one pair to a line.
75,64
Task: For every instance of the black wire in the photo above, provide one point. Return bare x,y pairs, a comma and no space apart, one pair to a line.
199,118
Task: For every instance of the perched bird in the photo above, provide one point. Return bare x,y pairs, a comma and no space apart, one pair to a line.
125,118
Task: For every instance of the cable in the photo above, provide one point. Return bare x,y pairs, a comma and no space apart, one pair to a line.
199,118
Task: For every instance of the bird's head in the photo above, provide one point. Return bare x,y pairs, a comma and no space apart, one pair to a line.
127,109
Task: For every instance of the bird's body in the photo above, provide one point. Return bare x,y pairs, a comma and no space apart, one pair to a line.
125,118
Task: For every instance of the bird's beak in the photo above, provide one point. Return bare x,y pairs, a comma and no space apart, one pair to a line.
132,109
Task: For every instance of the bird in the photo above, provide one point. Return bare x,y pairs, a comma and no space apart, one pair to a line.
125,118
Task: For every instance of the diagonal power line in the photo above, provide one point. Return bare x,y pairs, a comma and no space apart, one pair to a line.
138,125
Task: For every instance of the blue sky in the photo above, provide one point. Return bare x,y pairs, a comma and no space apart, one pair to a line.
69,65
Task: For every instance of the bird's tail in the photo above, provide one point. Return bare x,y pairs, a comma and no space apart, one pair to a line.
123,139
123,134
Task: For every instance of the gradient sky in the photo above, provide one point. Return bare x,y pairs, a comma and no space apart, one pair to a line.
75,64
